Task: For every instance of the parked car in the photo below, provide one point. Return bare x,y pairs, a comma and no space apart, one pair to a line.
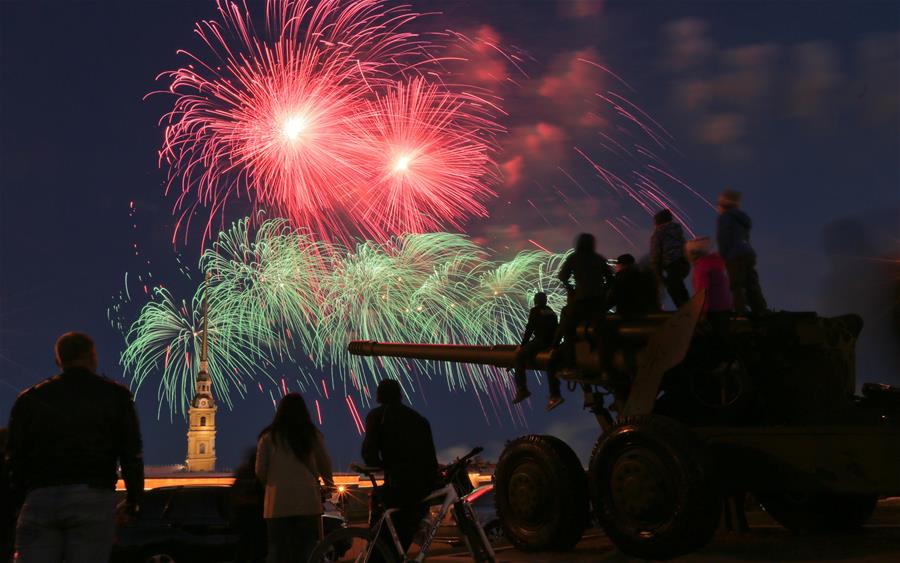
195,524
482,500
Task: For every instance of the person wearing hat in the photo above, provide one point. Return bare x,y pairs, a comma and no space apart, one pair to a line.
733,238
667,256
399,440
709,275
633,291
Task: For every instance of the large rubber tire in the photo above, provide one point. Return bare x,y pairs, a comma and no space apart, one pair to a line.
653,489
540,489
331,549
818,512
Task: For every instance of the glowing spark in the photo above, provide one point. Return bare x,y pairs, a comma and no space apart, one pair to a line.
293,127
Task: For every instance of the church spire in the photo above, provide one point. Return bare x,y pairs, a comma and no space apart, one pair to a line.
201,454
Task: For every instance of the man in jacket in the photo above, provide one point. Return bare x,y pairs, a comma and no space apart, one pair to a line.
733,239
67,435
538,335
667,256
398,439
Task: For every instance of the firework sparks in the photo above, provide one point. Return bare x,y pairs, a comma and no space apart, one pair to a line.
284,116
436,287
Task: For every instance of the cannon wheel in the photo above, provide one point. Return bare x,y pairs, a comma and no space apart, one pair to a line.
541,494
801,512
652,488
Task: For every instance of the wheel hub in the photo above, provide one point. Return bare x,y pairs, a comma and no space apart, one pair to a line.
639,487
527,487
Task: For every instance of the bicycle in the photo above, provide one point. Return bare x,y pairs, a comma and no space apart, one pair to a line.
367,542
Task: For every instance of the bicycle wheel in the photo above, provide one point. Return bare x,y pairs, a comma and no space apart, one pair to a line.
479,547
351,544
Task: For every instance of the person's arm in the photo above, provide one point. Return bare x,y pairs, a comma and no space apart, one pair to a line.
15,446
565,273
131,452
725,235
655,252
430,446
323,460
529,328
679,240
371,446
262,458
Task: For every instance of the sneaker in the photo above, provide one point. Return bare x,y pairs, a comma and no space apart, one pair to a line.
521,395
553,403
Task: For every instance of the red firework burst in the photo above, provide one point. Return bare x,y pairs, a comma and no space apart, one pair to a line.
302,117
432,151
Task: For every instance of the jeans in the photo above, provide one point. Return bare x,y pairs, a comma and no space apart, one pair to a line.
745,289
526,354
674,281
71,523
292,538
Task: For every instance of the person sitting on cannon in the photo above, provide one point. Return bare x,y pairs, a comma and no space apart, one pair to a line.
592,280
633,292
538,335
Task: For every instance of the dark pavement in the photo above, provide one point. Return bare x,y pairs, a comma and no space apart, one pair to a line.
766,541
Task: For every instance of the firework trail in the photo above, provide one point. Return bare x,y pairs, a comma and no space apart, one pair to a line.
325,118
165,339
278,297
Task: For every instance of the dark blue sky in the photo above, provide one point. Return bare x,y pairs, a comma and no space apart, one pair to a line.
795,103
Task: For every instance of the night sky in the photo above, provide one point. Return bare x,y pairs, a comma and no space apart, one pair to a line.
794,103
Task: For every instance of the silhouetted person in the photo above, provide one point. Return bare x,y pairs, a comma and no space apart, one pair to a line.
733,239
398,439
592,276
633,291
538,335
247,494
8,505
67,435
667,256
290,458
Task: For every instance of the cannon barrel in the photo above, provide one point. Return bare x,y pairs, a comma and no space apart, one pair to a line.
501,356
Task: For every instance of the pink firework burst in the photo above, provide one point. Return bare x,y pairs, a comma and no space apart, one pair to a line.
299,119
432,150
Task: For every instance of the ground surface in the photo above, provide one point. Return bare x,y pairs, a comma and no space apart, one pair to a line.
767,542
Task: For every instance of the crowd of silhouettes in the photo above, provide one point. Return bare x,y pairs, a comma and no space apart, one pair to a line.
728,280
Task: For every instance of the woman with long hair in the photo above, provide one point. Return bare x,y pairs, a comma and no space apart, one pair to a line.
290,458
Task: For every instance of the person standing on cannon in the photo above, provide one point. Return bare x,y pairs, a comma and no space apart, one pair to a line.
667,256
538,335
733,239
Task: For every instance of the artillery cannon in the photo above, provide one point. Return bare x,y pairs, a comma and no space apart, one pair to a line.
693,409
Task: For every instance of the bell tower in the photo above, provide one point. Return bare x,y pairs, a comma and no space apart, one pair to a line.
201,452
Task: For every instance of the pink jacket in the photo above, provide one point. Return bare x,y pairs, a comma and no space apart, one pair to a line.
709,274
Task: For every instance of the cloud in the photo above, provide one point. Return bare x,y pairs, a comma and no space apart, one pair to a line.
483,59
814,76
686,44
571,81
581,8
532,146
879,80
749,78
720,129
